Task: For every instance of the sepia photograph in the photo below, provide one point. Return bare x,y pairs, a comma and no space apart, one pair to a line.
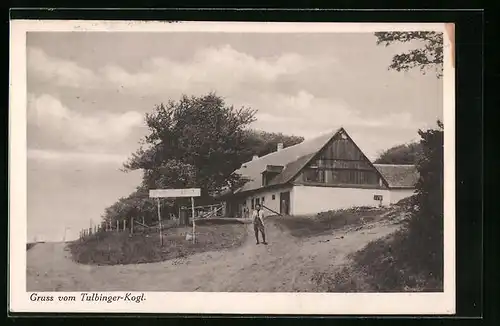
233,158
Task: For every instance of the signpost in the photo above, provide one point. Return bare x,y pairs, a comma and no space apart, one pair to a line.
173,193
159,221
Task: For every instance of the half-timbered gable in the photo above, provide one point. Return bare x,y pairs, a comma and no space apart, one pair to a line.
340,163
323,173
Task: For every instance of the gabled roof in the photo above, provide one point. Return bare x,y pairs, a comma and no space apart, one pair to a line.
399,176
295,158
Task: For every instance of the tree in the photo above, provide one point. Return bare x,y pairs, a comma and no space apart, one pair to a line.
194,142
261,142
427,56
400,154
426,225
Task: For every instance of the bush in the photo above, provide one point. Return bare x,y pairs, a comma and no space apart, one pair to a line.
385,265
425,228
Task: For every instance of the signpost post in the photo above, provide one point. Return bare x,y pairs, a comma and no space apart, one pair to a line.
174,193
159,221
192,212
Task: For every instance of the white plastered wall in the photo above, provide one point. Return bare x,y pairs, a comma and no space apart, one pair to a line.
311,200
269,202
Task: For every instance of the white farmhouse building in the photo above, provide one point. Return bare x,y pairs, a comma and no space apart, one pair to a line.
325,173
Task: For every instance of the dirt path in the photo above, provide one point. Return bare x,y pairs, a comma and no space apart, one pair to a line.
287,264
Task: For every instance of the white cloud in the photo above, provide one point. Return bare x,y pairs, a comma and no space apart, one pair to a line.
74,157
60,72
304,113
52,117
221,69
243,79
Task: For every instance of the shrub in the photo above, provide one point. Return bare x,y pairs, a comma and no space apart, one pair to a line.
426,225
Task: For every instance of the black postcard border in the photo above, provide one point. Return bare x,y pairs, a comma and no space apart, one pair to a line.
469,127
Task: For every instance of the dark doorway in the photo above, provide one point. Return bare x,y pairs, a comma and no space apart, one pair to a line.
285,203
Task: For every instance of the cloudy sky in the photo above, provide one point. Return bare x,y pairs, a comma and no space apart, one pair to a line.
88,92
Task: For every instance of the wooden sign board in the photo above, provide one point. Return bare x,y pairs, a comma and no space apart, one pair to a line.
169,193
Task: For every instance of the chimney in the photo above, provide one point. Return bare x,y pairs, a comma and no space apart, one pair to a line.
255,157
279,147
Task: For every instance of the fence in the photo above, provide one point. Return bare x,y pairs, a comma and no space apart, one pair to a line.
206,211
131,226
138,225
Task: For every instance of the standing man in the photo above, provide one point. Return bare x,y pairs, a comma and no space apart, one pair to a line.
258,224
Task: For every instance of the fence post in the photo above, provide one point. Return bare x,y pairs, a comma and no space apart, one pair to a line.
132,226
124,224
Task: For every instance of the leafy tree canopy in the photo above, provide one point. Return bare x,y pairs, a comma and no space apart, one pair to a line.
194,142
199,142
427,56
261,142
400,154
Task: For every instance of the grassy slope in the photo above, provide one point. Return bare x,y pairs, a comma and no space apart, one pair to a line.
111,248
388,264
383,265
326,222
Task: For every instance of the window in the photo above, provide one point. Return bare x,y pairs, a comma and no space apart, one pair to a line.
253,203
314,175
262,201
274,197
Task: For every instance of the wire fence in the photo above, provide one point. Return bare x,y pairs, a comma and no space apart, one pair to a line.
138,225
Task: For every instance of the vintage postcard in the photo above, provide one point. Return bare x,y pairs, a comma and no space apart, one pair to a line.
241,168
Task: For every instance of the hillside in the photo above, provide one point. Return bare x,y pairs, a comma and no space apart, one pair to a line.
111,248
292,262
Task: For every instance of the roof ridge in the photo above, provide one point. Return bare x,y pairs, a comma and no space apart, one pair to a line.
301,143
